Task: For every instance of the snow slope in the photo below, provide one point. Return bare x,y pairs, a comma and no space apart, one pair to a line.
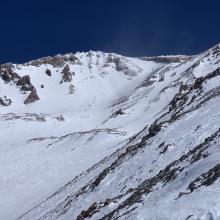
110,137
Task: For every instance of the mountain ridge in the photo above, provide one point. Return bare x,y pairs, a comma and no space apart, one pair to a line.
111,137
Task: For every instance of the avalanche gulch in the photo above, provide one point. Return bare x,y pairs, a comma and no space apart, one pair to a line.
96,135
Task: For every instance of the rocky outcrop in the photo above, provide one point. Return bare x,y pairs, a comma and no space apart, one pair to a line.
198,82
167,59
25,83
123,67
55,61
154,129
5,102
118,112
33,97
7,73
66,74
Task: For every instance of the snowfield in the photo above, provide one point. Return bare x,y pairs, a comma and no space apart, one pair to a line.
102,136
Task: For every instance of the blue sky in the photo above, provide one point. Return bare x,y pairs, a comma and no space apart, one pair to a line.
32,29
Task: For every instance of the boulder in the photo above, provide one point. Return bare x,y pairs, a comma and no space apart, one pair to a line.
48,72
33,97
154,129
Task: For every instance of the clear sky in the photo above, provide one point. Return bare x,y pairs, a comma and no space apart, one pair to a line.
32,29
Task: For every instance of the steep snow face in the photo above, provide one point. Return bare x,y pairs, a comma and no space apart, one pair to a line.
102,136
44,144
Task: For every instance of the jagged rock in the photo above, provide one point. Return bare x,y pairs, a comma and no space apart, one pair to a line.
206,179
32,97
72,59
6,77
183,88
66,69
118,64
24,80
89,212
119,112
149,81
25,83
108,201
154,129
2,102
174,101
5,102
122,66
56,61
67,75
48,72
7,73
198,82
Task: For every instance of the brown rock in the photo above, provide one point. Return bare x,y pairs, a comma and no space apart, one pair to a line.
67,75
33,97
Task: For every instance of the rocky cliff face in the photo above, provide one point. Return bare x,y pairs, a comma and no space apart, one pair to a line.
111,137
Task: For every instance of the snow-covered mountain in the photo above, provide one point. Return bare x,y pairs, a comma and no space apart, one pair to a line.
102,136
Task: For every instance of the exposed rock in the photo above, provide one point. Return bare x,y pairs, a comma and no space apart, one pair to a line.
88,213
42,86
5,102
33,97
149,81
165,149
206,179
119,112
183,88
67,75
24,80
154,129
48,72
73,59
56,61
198,83
25,83
7,74
6,77
122,66
167,59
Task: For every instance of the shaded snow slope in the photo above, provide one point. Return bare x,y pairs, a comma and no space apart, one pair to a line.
104,136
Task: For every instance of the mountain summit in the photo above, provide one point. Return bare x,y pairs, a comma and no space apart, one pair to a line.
101,136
